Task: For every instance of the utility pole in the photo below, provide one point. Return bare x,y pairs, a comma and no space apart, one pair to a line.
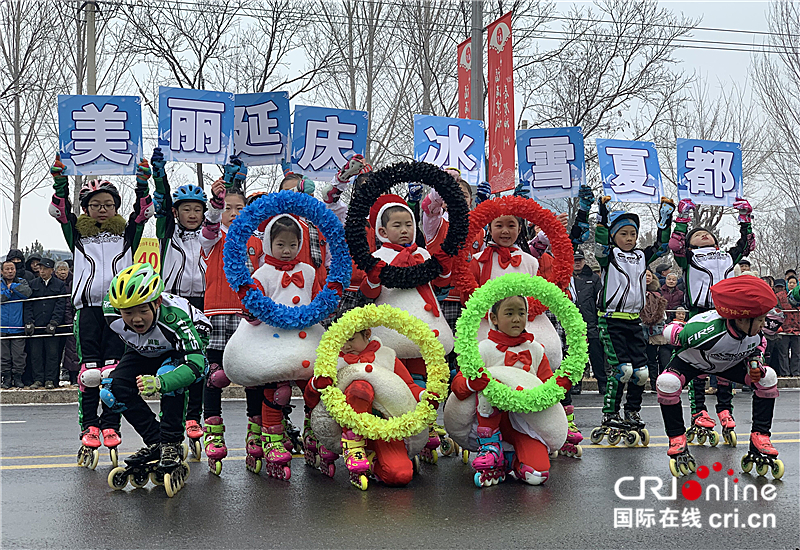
476,75
91,48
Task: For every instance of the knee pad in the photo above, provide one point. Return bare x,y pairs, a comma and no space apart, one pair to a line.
283,394
419,380
89,376
108,398
109,367
622,372
217,377
640,376
768,385
671,332
668,386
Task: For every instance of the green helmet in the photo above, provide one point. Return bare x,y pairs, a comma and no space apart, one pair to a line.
136,285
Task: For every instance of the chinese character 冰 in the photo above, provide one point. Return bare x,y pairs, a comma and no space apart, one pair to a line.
623,517
630,169
196,125
645,517
710,172
332,143
550,158
100,134
452,149
669,518
254,136
691,518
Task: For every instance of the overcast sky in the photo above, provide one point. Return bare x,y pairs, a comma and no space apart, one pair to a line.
717,66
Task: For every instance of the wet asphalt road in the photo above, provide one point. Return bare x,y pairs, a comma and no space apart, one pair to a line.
48,502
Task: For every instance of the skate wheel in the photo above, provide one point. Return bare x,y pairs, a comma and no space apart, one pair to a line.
778,469
447,446
416,464
673,468
138,479
215,466
113,454
184,451
645,437
578,451
747,464
701,438
713,440
692,466
614,438
465,456
257,468
434,456
690,435
80,457
762,469
597,436
329,469
477,480
197,450
287,473
684,468
95,458
170,485
157,478
117,478
363,483
731,439
632,439
554,454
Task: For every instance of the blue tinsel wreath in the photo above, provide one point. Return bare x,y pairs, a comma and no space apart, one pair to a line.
235,252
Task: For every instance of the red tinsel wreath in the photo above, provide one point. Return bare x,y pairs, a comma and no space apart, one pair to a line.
532,211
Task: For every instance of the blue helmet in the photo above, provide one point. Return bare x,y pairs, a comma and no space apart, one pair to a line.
189,192
619,219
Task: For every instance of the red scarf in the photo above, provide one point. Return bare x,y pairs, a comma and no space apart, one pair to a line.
366,356
296,278
280,265
504,259
406,257
504,341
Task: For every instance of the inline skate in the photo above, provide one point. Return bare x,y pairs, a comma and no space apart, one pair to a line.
637,426
447,445
614,428
429,454
316,454
89,454
490,464
763,455
703,428
112,439
252,444
681,461
160,463
525,473
276,458
293,441
215,443
571,447
194,431
355,458
728,424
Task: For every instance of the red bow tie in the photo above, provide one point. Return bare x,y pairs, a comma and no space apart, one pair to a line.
366,356
407,256
297,279
523,357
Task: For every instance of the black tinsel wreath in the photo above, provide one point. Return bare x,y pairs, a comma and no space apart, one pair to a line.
382,181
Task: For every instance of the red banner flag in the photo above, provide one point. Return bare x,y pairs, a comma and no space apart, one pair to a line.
464,51
502,172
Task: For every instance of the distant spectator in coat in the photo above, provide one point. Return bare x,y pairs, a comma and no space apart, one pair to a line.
18,258
672,294
12,350
69,361
789,343
42,317
32,263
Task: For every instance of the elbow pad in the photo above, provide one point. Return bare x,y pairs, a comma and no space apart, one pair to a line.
58,209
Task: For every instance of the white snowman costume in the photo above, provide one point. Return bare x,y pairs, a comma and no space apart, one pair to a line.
261,354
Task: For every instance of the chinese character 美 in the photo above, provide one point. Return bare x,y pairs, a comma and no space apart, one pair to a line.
710,172
331,144
645,517
669,517
550,158
196,125
691,518
253,136
630,170
452,149
100,134
623,517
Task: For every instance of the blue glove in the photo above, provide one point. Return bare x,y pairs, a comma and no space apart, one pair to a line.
158,204
585,232
158,163
665,212
306,185
602,202
484,192
234,172
414,192
585,198
523,190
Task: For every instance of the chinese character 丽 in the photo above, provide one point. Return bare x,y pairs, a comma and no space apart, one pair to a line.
710,172
195,125
623,517
550,158
331,144
254,136
451,150
100,134
630,169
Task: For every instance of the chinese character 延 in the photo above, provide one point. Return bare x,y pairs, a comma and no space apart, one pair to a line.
196,125
254,136
550,158
710,172
623,518
451,150
331,144
630,169
100,134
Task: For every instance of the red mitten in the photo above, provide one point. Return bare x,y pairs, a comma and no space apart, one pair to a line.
321,382
374,274
244,288
479,384
444,260
336,287
564,382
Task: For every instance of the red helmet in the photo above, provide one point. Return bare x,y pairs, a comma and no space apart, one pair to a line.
92,187
743,297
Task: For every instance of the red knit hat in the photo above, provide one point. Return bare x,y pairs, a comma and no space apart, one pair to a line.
380,206
743,297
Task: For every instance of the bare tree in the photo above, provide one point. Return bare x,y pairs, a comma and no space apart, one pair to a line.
29,86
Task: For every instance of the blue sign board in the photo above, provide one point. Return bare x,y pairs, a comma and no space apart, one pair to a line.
709,172
261,128
552,161
323,139
629,170
452,142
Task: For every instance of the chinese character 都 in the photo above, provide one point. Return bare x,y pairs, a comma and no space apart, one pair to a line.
254,136
645,517
630,170
710,172
195,125
451,150
691,518
331,144
669,517
623,517
550,158
100,134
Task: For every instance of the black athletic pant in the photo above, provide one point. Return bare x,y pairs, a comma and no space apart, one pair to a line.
624,342
95,340
137,412
597,358
697,396
212,397
673,414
